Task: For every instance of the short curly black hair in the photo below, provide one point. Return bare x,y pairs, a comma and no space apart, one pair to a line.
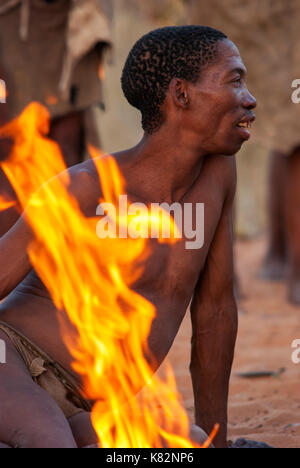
160,56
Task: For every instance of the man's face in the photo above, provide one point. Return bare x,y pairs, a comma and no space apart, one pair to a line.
221,105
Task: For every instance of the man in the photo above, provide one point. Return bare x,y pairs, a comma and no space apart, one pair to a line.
52,52
190,85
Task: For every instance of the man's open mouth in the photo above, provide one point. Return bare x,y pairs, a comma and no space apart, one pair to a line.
245,124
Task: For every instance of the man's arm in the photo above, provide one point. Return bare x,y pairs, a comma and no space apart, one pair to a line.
214,321
14,261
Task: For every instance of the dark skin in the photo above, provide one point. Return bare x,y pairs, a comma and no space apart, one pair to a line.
200,124
9,216
283,257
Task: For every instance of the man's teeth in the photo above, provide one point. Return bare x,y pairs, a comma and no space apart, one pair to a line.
244,124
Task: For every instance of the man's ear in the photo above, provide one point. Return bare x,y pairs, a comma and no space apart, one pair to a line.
179,92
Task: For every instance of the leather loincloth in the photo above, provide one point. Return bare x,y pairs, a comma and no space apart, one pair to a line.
48,374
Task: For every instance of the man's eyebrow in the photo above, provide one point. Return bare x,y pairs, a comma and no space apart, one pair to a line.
240,70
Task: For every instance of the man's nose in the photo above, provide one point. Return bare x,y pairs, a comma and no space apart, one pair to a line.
249,101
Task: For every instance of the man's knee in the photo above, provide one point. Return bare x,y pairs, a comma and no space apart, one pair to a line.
49,437
31,419
40,433
83,431
4,446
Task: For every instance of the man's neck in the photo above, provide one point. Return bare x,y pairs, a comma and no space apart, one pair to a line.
164,168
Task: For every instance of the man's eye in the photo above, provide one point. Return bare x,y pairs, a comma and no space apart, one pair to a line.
238,81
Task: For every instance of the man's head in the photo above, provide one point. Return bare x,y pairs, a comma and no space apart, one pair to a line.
185,66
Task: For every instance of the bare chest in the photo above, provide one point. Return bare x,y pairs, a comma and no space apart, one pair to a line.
172,271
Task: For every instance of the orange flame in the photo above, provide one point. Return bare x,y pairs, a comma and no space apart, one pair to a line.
33,159
90,279
6,204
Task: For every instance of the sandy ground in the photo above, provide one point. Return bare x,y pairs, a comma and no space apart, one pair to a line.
264,409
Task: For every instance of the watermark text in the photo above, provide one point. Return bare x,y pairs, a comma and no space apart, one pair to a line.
296,93
2,352
156,221
296,353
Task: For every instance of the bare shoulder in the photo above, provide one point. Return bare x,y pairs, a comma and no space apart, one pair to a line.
85,184
85,187
83,177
